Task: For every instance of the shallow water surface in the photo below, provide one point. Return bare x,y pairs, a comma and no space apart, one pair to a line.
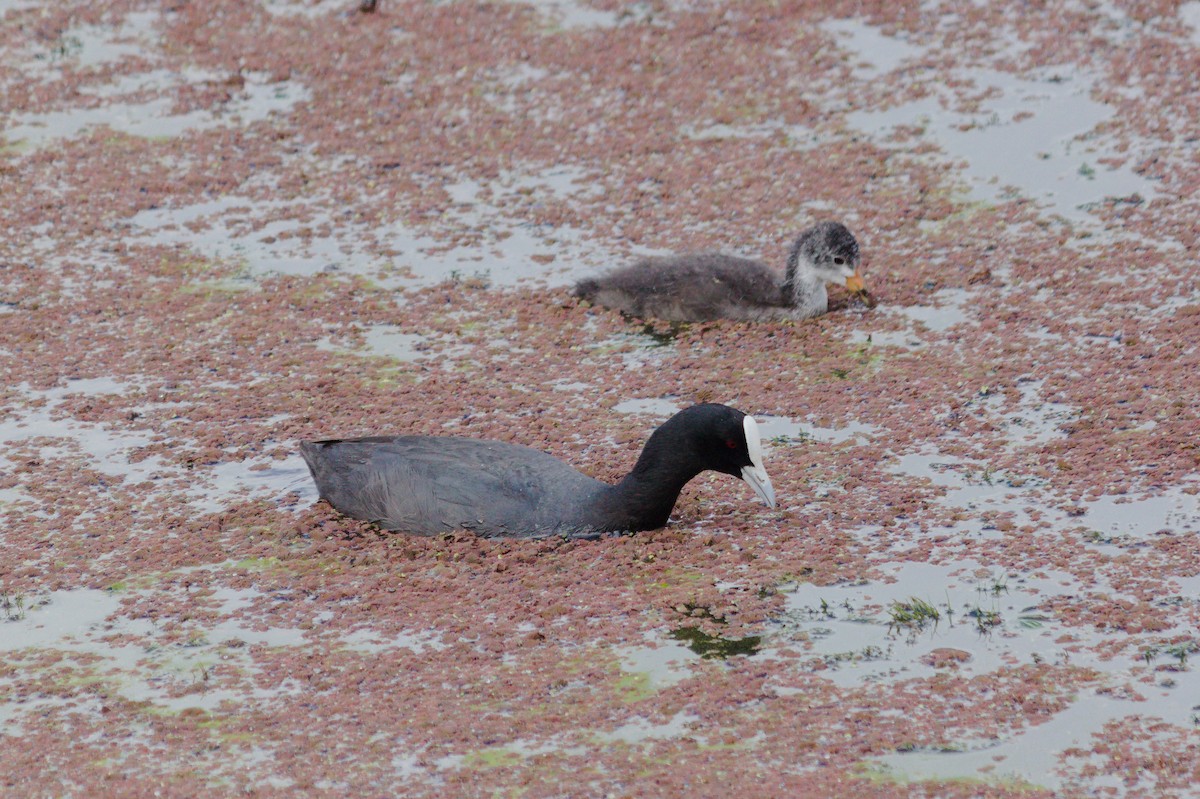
982,574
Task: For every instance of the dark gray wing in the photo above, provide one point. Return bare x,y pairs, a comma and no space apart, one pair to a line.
428,485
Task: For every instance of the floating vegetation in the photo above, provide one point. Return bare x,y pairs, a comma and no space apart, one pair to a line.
985,620
913,614
696,611
866,654
1030,619
660,335
1110,539
480,279
221,230
712,647
995,586
12,606
1178,651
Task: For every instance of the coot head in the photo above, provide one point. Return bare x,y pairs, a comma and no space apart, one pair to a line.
743,451
831,252
716,437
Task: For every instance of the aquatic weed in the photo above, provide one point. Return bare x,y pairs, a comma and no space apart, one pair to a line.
913,614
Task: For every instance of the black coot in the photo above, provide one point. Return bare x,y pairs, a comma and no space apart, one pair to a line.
433,484
703,286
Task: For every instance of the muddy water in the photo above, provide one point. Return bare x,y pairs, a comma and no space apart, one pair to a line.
228,616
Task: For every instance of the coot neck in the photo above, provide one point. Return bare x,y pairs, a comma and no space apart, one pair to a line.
803,288
643,500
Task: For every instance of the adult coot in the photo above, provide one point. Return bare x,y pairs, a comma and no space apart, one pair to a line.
703,286
432,484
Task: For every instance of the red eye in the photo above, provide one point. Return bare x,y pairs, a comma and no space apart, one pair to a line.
729,442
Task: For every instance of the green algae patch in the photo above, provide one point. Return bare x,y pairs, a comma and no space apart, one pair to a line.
137,582
394,371
257,564
634,686
880,774
672,577
731,746
210,289
714,647
83,680
493,757
868,355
